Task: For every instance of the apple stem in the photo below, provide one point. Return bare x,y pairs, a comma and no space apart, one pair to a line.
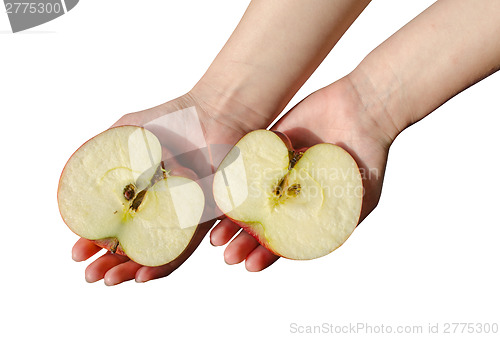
160,174
114,248
294,158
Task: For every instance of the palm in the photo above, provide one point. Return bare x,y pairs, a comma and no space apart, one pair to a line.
334,115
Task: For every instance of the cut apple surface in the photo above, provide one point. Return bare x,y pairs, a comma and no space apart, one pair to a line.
298,204
115,191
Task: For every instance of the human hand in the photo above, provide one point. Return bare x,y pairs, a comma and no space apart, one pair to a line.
400,82
187,129
242,84
335,114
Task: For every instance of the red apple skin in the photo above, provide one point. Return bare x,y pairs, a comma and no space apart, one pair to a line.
248,228
107,243
110,244
284,138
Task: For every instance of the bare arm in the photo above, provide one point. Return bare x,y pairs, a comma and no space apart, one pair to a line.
447,48
275,48
272,52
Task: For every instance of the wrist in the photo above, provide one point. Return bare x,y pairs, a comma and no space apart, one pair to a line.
383,97
235,98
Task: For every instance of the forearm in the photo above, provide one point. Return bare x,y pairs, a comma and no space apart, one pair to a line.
276,46
447,48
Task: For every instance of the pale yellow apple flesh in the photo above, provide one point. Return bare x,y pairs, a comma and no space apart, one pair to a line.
299,205
114,187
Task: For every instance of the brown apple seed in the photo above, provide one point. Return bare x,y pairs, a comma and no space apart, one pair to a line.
129,191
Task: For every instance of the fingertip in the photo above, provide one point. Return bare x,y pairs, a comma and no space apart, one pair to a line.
223,232
215,237
252,266
229,257
241,247
146,274
83,249
125,271
91,276
109,280
76,252
103,267
259,259
112,277
75,256
141,276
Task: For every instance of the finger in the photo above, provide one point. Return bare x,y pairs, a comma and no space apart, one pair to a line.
122,272
239,248
97,269
260,258
223,232
146,274
84,249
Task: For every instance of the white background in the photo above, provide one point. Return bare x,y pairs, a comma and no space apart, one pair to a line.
428,253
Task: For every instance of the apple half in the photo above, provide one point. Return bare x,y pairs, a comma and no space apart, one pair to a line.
115,191
298,204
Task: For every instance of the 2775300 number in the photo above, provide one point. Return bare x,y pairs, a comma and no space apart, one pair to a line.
33,7
471,328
